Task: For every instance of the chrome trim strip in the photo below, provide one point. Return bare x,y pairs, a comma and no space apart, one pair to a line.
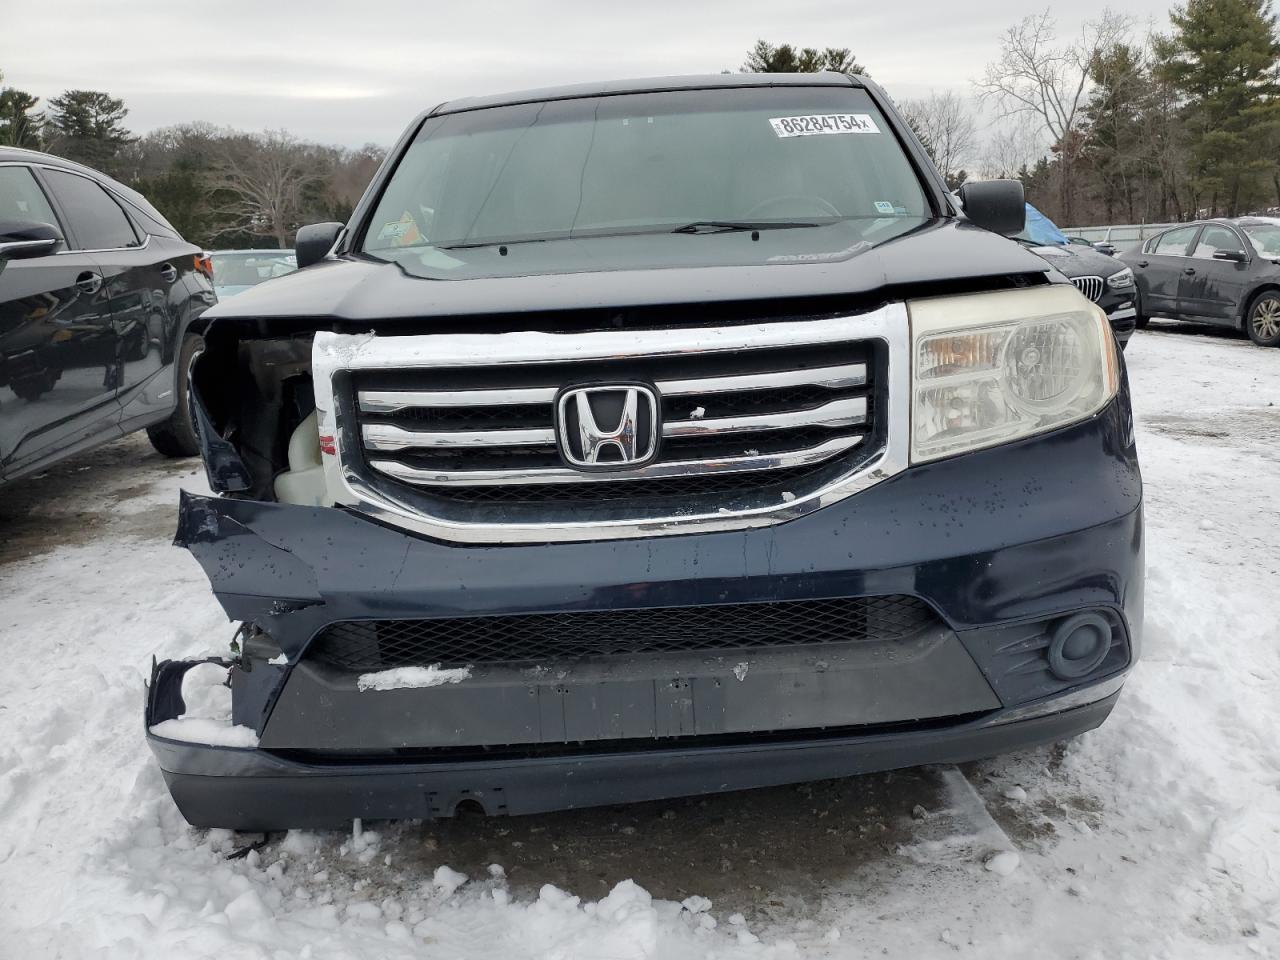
833,378
1125,314
839,377
391,401
368,351
838,413
333,352
384,436
676,468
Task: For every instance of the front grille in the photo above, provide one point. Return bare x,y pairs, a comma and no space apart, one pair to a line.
740,420
369,645
1091,287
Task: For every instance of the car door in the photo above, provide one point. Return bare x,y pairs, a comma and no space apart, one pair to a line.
56,346
138,275
1212,287
1158,270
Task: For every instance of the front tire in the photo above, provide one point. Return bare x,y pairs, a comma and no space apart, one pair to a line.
1262,322
1140,319
176,437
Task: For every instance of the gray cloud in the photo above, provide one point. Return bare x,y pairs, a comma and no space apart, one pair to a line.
348,73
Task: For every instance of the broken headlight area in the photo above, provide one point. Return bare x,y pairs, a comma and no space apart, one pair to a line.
254,406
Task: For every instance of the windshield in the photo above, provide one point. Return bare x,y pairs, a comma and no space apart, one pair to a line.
705,160
251,267
1265,238
1041,230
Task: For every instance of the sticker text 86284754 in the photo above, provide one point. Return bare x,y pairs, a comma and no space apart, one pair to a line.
823,123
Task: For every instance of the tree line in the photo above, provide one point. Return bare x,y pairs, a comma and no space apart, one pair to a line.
1109,126
218,186
1105,126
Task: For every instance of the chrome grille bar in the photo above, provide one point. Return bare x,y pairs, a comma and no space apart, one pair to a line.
833,378
767,461
393,401
385,436
837,413
840,377
1091,287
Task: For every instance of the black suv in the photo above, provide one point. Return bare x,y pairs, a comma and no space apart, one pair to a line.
100,305
648,439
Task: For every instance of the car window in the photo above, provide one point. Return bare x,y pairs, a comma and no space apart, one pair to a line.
95,218
1174,243
1213,239
21,197
1264,238
638,164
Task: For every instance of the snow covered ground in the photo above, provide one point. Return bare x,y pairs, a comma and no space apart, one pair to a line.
1156,836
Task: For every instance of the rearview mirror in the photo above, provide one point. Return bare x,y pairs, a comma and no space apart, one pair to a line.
20,239
314,241
1235,256
995,205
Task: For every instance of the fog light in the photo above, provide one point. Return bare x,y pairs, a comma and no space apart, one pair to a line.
1079,645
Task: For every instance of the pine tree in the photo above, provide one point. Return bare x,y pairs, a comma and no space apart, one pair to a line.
88,126
1222,59
20,123
764,57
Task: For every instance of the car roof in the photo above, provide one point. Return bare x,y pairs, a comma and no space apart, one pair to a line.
607,88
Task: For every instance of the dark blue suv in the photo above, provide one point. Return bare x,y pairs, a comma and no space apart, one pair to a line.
650,439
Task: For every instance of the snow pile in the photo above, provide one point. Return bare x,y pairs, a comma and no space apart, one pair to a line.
407,678
207,718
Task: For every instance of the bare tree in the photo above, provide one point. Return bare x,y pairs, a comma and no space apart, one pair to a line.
947,125
266,176
1038,77
1012,146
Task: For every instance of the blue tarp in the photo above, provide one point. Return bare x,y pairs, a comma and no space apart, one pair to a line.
1040,229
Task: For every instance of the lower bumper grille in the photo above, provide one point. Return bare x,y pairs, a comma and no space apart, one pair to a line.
368,645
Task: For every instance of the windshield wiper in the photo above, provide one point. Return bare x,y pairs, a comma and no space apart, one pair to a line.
731,226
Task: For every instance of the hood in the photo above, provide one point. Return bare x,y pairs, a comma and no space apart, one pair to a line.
1078,261
721,267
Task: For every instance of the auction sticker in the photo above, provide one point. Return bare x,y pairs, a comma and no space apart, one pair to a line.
822,123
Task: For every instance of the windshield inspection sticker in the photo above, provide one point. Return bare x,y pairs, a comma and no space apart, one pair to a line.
823,123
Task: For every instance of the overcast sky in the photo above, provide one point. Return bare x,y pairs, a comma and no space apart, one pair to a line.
357,71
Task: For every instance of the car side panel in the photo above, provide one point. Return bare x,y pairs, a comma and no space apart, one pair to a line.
1213,291
57,358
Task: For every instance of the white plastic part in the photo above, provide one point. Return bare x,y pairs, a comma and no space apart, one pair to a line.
303,483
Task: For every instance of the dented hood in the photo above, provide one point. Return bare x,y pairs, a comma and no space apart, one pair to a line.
605,272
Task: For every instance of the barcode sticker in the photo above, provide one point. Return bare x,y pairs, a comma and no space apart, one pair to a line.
823,123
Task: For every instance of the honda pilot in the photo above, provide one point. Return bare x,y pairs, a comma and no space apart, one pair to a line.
649,439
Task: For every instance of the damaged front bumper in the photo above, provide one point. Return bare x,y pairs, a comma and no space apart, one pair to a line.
961,577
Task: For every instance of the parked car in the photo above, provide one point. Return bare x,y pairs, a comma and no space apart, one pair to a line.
100,315
1224,272
1098,276
235,271
647,439
1102,246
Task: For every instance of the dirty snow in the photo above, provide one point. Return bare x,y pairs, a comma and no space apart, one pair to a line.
1157,835
405,678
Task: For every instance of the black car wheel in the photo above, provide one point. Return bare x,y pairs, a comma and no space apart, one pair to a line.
176,437
1263,319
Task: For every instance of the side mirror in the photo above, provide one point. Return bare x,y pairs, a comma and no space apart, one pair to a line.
1235,256
995,205
20,239
314,241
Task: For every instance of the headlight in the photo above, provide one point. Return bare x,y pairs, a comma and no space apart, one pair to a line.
1121,280
994,367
